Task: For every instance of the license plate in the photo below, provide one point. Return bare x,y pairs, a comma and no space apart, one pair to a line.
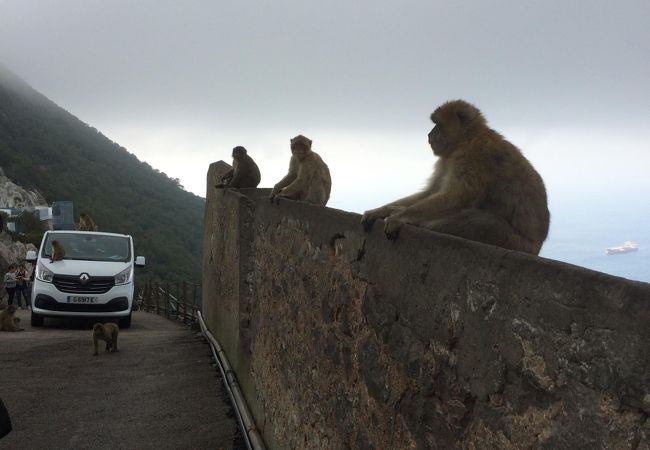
75,299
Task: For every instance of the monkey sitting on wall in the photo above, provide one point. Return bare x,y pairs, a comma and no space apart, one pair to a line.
58,252
244,172
8,321
86,223
308,179
106,332
482,187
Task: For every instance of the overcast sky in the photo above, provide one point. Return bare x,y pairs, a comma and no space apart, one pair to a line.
180,83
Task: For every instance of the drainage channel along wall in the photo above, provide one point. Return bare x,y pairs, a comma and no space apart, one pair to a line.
346,340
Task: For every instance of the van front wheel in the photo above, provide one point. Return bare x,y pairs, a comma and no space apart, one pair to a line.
126,322
37,320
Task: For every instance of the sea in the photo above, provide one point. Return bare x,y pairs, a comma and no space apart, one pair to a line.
581,230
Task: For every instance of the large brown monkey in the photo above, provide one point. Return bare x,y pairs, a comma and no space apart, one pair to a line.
86,223
8,322
58,252
308,179
106,332
482,187
244,172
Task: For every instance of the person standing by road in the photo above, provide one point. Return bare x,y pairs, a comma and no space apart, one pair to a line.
10,283
21,287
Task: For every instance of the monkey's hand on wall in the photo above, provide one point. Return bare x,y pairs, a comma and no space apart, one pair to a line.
392,225
225,180
273,196
286,181
284,193
369,217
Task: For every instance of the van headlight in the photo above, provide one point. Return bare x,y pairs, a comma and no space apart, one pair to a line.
43,274
124,276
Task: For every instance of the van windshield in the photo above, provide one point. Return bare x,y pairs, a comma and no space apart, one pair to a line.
90,247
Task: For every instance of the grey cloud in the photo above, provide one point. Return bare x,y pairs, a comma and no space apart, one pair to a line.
346,64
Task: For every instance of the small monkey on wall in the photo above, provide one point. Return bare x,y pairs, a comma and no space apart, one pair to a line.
482,187
308,179
244,172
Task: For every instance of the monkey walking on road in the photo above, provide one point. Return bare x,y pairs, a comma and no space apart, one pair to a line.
106,332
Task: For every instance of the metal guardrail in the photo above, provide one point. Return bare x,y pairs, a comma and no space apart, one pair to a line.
176,301
244,417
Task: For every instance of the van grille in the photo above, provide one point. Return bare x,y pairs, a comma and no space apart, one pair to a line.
72,284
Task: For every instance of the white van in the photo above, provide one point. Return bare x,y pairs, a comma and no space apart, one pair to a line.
94,279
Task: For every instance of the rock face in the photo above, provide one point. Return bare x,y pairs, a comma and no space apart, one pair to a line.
345,340
14,196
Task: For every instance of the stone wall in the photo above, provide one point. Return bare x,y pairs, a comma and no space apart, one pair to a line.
344,339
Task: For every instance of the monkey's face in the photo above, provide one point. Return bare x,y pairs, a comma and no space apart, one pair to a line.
299,150
11,309
238,153
442,138
437,140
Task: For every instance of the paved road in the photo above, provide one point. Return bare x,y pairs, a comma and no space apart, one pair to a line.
158,391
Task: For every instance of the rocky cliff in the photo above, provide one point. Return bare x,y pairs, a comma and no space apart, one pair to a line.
14,196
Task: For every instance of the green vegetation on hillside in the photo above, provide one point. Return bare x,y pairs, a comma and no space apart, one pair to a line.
44,147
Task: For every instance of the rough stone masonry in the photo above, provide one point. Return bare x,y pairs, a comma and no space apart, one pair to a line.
346,340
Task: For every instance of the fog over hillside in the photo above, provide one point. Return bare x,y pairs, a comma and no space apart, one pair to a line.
44,148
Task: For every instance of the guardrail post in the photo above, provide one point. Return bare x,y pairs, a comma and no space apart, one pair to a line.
184,302
147,297
194,307
176,311
167,300
157,293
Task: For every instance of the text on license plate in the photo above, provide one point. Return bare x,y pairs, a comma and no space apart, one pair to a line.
75,299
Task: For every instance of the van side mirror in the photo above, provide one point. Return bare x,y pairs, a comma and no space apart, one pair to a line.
139,261
31,256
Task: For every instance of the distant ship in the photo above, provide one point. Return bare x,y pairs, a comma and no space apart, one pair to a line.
628,246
